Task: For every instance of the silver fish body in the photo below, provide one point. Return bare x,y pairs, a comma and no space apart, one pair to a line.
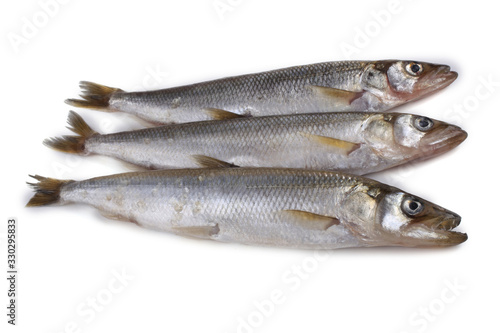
355,142
275,207
322,87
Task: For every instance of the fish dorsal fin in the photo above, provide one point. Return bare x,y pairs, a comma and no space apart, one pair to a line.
202,231
219,114
344,96
311,220
343,146
210,162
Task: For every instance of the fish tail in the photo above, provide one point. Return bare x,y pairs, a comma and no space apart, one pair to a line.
94,96
47,191
74,144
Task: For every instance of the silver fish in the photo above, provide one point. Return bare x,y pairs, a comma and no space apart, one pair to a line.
323,87
277,207
354,142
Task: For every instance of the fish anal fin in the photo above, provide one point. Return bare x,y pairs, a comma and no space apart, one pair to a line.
343,146
311,220
202,231
344,96
210,162
136,167
117,217
219,114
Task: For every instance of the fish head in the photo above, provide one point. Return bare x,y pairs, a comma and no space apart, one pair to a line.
402,219
425,137
382,215
410,137
395,82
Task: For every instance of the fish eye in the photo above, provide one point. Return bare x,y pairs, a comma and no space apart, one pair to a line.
423,124
414,68
412,207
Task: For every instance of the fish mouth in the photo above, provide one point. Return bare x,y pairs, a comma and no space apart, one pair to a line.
435,80
442,77
438,223
437,231
442,140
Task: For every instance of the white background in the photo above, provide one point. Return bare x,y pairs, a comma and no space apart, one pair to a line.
70,255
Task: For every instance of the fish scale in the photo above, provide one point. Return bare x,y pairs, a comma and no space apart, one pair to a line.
357,142
325,87
280,207
241,192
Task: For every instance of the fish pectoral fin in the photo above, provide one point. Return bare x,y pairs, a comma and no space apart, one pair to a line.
343,146
219,114
211,163
344,96
311,220
202,231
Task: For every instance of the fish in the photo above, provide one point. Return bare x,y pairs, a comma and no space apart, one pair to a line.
292,208
354,142
373,86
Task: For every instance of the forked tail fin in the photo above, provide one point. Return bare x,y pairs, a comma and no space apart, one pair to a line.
47,191
74,144
95,96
